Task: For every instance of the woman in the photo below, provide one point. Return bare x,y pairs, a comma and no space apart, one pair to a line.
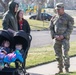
22,23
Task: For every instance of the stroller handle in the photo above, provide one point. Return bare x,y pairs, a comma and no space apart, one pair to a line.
30,37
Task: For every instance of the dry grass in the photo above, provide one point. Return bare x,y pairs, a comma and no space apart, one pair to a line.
45,54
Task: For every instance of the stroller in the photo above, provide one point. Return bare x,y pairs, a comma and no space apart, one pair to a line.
6,35
24,39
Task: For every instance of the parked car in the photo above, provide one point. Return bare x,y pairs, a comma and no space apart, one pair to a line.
44,16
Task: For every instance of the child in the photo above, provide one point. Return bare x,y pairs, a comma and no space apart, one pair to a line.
5,47
4,50
16,55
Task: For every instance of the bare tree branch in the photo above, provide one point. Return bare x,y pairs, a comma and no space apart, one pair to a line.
5,4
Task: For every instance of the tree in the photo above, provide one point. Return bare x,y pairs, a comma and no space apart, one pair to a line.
40,3
5,4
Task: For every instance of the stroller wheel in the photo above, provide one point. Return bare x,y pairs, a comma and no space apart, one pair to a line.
27,73
23,72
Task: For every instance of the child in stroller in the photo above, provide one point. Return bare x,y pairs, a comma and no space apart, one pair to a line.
5,44
16,55
4,50
24,39
20,49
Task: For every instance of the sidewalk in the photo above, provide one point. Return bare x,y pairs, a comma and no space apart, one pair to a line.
51,68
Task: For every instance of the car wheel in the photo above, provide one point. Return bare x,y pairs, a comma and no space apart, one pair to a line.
47,19
32,18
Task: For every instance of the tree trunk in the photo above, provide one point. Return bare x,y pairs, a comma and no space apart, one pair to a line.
40,4
5,4
39,12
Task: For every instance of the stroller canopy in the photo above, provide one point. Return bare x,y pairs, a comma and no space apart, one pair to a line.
22,38
6,35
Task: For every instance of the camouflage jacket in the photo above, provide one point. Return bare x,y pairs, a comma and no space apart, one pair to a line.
61,25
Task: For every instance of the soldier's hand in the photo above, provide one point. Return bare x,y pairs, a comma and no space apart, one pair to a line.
61,37
57,37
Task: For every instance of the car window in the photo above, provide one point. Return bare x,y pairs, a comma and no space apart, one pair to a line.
45,14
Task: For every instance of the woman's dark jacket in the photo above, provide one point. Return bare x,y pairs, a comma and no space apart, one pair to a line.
25,26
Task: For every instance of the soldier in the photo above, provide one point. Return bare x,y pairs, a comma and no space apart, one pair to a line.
61,27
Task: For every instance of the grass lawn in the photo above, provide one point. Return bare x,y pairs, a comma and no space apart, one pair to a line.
35,24
45,54
38,25
40,55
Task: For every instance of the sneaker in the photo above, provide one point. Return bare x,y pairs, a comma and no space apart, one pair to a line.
7,66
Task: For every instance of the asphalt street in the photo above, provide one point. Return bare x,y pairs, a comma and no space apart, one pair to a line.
43,38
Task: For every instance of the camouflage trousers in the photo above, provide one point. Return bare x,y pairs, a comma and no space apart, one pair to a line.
61,50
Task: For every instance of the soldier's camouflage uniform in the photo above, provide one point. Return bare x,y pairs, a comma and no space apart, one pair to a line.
62,25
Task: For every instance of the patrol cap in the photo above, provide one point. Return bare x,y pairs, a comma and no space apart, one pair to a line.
59,6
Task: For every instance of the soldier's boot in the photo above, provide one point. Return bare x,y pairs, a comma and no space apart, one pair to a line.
60,70
67,70
67,64
60,65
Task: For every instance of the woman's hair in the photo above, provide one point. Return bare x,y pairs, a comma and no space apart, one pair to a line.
18,15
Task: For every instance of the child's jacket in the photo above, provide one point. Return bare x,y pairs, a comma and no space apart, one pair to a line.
12,57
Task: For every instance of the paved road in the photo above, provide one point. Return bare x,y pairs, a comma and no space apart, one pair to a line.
42,38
